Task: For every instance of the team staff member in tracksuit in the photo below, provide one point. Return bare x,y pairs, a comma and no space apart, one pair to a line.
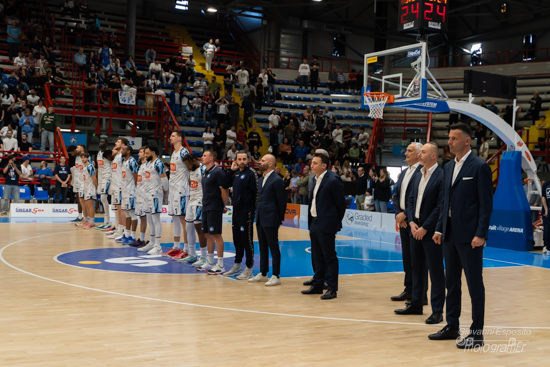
244,181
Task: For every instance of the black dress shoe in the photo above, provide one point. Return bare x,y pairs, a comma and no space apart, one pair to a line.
329,295
309,282
435,318
409,302
402,297
313,290
471,341
409,310
445,334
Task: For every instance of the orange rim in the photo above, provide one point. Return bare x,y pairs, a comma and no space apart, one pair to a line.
377,95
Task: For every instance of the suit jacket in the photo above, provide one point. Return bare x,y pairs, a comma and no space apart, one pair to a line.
330,202
430,206
470,199
397,192
271,201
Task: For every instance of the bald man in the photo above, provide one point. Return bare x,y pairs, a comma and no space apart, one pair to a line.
269,216
423,207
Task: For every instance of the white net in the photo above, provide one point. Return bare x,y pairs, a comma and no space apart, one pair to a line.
376,103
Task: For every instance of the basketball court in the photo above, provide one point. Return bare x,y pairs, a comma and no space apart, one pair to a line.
73,297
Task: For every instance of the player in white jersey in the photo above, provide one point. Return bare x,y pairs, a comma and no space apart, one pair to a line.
115,189
141,200
78,188
89,189
128,202
104,170
76,151
178,194
155,187
193,215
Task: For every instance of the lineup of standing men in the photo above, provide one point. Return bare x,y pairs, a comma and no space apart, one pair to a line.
444,215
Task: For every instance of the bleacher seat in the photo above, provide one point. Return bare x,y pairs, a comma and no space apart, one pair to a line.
40,194
1,191
25,193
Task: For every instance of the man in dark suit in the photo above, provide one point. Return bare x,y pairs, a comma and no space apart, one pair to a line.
423,205
326,210
402,191
270,214
462,227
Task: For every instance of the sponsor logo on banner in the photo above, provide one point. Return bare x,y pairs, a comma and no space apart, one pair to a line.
414,53
362,219
505,229
292,211
434,25
43,210
408,25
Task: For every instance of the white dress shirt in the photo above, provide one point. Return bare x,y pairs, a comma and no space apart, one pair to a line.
426,175
405,183
266,177
456,171
313,209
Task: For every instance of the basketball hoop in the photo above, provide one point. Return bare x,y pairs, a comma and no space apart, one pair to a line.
376,102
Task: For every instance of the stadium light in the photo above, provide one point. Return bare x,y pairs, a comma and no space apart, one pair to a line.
212,10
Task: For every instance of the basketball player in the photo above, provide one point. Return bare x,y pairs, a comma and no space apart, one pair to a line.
244,181
178,194
78,174
141,202
104,170
75,180
116,189
214,197
89,189
128,202
155,187
193,215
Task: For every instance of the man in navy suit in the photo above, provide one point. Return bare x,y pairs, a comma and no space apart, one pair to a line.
326,210
462,227
423,205
402,191
270,214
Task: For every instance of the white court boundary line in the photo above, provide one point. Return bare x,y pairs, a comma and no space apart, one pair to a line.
227,308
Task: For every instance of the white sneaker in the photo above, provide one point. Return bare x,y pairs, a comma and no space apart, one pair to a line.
200,262
205,267
246,274
273,281
114,235
236,269
258,278
146,248
157,250
217,270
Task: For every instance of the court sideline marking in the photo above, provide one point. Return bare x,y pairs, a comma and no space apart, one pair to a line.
224,308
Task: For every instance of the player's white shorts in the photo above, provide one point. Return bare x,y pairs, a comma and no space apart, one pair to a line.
155,205
81,192
116,196
177,204
142,206
89,194
103,187
194,214
128,203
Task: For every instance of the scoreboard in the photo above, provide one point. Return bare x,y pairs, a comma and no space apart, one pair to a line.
423,16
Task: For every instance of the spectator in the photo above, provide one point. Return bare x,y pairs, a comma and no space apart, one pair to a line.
536,106
347,135
208,139
293,187
241,138
62,176
84,9
14,39
484,148
314,74
271,88
26,122
285,152
166,72
68,8
382,191
19,61
27,175
105,55
332,80
197,106
185,105
130,68
243,80
228,81
175,100
273,142
32,99
363,137
208,111
493,108
301,151
234,110
303,74
369,200
303,186
38,112
209,48
248,108
12,172
290,131
44,176
354,153
542,127
26,145
191,64
49,124
352,80
150,56
232,153
10,142
200,86
219,140
337,135
360,188
274,119
231,139
155,69
341,82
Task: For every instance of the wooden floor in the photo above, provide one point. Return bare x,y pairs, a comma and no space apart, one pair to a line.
52,314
